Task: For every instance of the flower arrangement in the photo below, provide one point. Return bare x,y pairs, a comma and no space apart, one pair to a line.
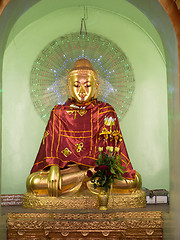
108,168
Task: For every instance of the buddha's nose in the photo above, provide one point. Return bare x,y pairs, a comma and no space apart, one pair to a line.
82,91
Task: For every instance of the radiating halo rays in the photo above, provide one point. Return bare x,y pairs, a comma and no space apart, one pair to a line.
48,80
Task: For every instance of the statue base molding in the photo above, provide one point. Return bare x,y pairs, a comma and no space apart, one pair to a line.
116,201
83,224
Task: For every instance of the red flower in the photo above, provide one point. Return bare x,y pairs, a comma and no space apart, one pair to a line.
109,173
103,167
96,169
89,173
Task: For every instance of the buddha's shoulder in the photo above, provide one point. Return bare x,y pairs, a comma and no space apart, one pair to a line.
104,105
57,108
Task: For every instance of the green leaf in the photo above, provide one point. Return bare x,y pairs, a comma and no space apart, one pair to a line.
112,171
121,171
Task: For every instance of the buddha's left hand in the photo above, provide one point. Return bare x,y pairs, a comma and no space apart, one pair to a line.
53,181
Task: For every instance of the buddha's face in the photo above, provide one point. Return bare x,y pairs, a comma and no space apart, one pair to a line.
82,87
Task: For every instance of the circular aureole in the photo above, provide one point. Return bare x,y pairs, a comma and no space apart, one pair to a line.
48,80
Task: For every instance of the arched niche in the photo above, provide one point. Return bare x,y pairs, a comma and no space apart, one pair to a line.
163,26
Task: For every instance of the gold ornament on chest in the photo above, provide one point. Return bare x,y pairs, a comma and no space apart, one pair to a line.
76,109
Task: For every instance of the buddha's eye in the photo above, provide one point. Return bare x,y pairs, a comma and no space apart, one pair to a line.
87,84
76,84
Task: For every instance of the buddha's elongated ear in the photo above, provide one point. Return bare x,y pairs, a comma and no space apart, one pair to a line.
96,89
69,91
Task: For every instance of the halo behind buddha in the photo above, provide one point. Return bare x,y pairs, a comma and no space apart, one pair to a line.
49,75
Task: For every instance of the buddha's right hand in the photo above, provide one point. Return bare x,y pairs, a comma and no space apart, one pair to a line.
53,181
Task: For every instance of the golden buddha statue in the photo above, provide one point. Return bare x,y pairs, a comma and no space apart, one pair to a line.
72,137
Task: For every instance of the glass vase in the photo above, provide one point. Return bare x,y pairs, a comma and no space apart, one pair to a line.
103,198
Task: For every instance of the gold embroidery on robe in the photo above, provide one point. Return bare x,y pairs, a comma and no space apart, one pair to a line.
117,136
45,135
109,121
81,112
66,152
105,133
79,147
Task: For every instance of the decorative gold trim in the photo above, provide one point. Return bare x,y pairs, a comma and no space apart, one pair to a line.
97,131
105,133
117,136
79,146
116,201
45,202
91,133
66,152
109,121
68,136
66,131
45,135
59,137
107,112
82,215
52,143
81,112
79,224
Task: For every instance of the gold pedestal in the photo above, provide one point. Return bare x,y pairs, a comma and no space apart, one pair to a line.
85,224
116,201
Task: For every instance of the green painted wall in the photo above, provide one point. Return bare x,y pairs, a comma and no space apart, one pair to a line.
145,127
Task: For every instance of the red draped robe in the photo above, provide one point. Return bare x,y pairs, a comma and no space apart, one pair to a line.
73,135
